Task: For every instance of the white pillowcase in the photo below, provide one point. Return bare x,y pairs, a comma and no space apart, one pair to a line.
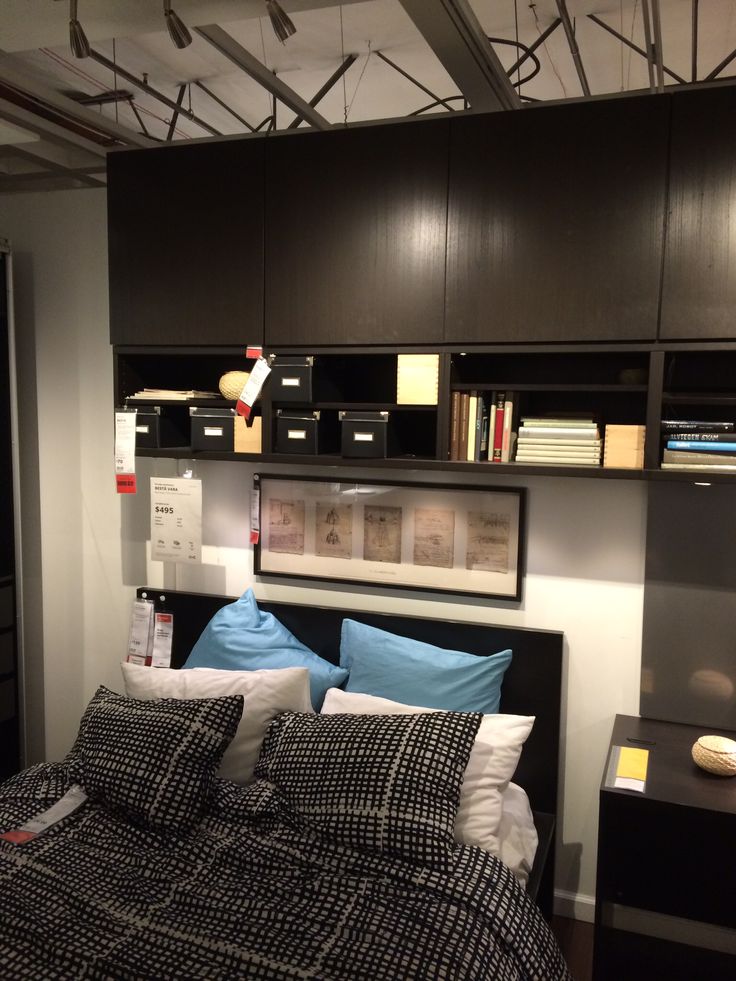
266,694
492,763
517,834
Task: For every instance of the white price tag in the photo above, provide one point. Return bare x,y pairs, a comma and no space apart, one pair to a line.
163,634
255,515
72,799
176,519
141,631
125,429
253,386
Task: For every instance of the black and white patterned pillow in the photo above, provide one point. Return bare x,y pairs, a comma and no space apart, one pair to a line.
155,761
387,783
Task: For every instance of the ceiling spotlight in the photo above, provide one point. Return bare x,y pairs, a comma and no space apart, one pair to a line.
282,24
177,28
77,38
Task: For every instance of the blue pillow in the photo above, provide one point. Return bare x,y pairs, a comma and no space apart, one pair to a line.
410,671
240,637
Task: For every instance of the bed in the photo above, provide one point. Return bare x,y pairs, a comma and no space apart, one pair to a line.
255,888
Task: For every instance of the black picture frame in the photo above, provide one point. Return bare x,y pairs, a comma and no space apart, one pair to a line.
467,540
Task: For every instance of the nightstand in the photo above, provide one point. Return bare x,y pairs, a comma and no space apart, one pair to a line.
666,887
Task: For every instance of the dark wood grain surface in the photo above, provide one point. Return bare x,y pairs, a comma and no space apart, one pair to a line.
555,223
355,235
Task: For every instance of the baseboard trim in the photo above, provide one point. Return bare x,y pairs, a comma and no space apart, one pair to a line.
574,905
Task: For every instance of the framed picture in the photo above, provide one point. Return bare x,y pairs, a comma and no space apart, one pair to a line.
412,536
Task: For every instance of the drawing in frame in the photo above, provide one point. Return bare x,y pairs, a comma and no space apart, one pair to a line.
438,537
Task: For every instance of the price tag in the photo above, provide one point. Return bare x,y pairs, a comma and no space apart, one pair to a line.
72,799
125,452
255,515
141,632
253,351
176,520
163,634
253,386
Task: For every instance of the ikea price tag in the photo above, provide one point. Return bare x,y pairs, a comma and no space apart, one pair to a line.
125,452
252,388
176,519
163,634
72,799
255,515
141,632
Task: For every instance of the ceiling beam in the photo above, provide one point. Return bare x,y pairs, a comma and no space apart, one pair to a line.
634,47
573,45
330,83
455,35
52,168
49,130
228,47
64,106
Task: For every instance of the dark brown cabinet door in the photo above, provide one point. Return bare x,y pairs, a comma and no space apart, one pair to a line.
185,233
556,222
699,286
355,235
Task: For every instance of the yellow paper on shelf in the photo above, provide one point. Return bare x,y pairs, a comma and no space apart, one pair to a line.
630,768
417,380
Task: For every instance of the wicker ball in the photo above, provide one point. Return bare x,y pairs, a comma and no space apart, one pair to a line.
716,754
232,383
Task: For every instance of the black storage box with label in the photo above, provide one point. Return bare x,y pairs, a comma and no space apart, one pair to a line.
291,379
297,432
364,434
158,426
212,429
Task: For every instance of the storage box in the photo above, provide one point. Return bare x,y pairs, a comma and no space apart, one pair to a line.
212,429
157,427
623,446
297,433
248,438
291,379
364,434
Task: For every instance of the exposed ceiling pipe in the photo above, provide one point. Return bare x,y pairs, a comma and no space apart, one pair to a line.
657,32
573,45
646,18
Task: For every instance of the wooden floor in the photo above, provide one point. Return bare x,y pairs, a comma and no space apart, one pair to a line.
576,942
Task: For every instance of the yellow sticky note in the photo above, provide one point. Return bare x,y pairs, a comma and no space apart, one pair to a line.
632,763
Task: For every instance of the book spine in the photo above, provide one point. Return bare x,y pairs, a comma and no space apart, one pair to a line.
561,443
508,415
462,447
688,456
498,426
561,433
682,426
703,437
699,466
708,447
491,426
454,424
472,415
482,453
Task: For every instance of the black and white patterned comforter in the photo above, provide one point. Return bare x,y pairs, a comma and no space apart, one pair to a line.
247,895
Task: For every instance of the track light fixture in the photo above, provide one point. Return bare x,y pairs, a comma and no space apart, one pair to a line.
282,24
77,38
177,28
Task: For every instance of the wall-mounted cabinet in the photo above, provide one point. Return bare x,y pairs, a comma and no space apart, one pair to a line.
699,282
355,235
185,234
555,224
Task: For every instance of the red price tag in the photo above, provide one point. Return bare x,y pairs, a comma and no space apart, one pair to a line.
253,352
125,483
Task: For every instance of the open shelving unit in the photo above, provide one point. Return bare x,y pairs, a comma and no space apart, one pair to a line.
620,384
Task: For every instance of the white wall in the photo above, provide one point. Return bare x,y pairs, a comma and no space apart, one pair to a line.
86,548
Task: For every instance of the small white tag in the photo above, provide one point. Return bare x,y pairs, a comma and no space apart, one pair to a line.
253,386
72,799
363,437
291,382
213,430
141,627
296,434
163,633
141,429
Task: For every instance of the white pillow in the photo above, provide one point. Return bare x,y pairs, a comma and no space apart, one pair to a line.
266,693
517,834
492,763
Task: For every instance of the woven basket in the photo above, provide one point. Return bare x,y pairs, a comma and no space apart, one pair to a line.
232,383
716,754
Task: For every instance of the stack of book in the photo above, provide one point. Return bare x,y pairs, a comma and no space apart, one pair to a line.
563,440
698,445
482,426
